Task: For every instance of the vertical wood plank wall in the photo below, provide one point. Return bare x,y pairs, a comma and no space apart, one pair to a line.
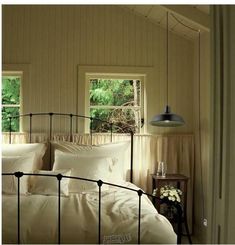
54,40
202,187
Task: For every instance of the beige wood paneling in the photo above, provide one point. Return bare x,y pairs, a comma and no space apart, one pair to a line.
190,15
56,39
222,168
201,200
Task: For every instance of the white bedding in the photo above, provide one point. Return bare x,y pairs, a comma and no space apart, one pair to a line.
79,219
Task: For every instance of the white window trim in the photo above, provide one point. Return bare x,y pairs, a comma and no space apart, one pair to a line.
121,77
17,74
114,107
11,105
130,72
24,71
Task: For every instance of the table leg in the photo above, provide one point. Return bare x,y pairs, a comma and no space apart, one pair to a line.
179,225
187,229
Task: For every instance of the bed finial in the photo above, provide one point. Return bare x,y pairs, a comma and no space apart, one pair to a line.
100,182
19,174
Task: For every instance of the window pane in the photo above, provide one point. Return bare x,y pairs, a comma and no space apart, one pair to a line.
11,90
114,92
124,120
10,111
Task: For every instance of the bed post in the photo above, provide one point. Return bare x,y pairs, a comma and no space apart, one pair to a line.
91,124
30,127
59,178
50,135
132,144
71,128
10,131
111,131
50,122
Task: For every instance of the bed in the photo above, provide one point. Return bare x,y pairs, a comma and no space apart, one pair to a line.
83,198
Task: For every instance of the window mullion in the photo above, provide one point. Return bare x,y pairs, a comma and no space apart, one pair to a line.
10,105
114,107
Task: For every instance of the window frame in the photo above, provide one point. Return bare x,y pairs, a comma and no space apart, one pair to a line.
25,70
17,74
117,77
148,73
121,76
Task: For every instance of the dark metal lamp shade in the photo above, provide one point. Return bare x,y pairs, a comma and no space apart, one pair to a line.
167,119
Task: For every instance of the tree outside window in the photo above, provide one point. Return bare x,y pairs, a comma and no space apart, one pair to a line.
117,101
10,102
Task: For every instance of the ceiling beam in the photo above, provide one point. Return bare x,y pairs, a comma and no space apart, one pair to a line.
192,14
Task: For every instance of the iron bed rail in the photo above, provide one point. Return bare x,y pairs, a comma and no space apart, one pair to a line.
51,114
59,177
70,116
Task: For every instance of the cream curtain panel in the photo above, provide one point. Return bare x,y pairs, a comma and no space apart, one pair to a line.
175,150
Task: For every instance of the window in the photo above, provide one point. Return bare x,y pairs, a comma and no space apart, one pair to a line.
10,101
116,100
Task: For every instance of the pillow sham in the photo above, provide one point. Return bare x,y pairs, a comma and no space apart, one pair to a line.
49,185
118,151
14,164
69,147
94,168
21,149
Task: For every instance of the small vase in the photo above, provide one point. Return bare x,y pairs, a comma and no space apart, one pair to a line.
161,169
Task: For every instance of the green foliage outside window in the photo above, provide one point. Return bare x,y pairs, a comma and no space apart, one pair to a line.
117,101
10,102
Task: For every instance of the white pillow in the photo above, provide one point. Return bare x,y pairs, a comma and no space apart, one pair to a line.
118,151
22,149
94,168
69,147
47,185
14,164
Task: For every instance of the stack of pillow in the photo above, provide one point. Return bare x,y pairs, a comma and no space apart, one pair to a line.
20,157
105,162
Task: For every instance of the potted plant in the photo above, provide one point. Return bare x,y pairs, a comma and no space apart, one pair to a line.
171,197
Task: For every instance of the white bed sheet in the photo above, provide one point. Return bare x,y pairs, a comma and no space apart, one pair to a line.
79,219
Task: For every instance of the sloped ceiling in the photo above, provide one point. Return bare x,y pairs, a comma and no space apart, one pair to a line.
194,16
203,8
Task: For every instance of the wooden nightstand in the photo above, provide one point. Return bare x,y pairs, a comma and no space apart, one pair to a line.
180,181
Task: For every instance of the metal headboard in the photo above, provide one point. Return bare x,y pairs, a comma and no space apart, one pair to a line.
59,177
70,116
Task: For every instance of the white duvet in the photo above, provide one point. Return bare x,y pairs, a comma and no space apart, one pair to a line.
79,219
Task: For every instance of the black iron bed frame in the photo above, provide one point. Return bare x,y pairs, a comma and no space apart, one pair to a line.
100,183
70,116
